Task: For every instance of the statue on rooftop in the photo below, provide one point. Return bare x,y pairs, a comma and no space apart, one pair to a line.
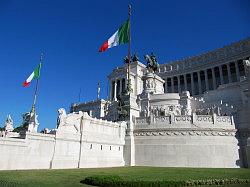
9,124
247,67
126,60
135,58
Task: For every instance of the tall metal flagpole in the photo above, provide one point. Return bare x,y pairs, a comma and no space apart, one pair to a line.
129,89
36,89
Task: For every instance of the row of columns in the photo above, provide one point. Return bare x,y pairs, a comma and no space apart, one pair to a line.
113,88
214,84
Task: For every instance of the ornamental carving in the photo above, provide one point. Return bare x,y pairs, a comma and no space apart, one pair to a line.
141,121
183,118
204,118
185,133
223,119
162,119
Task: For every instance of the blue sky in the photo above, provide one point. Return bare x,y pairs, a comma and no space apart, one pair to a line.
71,31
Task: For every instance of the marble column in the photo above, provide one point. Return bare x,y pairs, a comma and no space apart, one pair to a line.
115,99
120,91
237,71
185,82
179,83
206,80
172,84
229,73
110,90
192,83
214,79
221,75
199,82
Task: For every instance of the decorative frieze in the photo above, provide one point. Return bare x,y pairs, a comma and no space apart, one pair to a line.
185,133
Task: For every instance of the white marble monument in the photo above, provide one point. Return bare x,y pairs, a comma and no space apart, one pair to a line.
192,112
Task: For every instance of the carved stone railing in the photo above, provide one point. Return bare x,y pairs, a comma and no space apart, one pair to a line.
204,118
204,121
162,119
142,121
183,118
223,119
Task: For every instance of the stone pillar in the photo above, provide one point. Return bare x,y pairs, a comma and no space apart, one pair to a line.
229,73
199,82
214,78
120,91
110,90
179,83
172,84
166,86
115,99
221,75
206,80
185,82
237,71
192,83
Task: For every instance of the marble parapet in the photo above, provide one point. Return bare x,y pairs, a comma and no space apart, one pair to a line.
185,121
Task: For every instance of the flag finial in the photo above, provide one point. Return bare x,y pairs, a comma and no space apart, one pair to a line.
129,9
41,57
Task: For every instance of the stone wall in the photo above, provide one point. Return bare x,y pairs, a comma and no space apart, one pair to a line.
99,143
33,152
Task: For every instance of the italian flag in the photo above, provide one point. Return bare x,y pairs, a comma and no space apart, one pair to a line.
119,37
34,75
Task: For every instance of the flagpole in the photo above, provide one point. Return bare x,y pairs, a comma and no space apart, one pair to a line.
36,89
129,51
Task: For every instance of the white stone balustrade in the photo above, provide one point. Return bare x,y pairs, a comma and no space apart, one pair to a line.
205,121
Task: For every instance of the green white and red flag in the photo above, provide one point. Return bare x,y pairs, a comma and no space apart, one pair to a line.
34,75
119,37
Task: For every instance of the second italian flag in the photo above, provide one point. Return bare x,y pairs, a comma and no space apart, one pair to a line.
119,37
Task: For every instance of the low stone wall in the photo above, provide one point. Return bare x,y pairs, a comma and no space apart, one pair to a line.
99,143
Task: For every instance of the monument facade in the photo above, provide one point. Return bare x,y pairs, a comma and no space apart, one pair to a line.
188,113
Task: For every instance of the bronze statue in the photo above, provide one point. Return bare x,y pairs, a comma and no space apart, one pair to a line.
152,64
135,58
122,112
126,60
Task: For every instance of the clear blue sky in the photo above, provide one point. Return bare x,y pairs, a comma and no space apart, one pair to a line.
71,31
